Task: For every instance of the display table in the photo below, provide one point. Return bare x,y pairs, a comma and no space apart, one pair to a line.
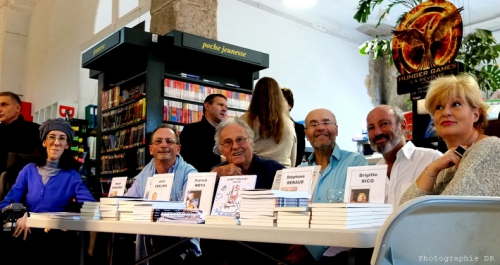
355,238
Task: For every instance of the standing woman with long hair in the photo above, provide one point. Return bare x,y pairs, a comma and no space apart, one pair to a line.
268,117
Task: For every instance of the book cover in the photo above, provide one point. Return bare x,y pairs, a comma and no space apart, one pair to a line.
200,190
227,198
161,187
118,186
365,184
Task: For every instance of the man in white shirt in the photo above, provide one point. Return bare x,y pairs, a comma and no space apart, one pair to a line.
405,162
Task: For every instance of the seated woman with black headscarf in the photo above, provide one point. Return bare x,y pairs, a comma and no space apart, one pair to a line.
50,185
471,165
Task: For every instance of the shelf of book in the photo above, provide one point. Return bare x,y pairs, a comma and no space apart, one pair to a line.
124,139
119,95
132,69
123,126
209,83
194,93
200,103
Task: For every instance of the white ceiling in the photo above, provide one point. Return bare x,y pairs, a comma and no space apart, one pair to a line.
335,17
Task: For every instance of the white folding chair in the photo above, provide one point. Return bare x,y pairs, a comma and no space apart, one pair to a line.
441,230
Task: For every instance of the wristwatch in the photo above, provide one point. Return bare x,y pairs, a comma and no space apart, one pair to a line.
460,151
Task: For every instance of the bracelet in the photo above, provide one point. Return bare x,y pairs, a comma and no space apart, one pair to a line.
434,177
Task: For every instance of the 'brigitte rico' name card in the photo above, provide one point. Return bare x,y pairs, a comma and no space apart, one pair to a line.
365,184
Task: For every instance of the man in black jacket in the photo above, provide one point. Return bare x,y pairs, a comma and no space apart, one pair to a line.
198,138
16,134
299,128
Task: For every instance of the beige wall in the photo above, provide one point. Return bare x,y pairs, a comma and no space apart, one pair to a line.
58,30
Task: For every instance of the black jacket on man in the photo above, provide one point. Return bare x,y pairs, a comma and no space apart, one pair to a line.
20,137
197,144
301,142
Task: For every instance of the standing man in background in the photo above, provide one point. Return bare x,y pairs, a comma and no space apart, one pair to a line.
299,128
405,162
16,134
198,138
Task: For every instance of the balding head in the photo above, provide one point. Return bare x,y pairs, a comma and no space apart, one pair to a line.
386,125
321,129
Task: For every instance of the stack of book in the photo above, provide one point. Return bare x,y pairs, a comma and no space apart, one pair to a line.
109,207
293,217
177,216
292,212
90,211
126,209
258,206
143,210
348,215
221,220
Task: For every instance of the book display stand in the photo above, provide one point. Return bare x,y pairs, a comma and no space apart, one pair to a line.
145,80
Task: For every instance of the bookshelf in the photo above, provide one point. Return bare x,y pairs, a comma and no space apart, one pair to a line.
145,80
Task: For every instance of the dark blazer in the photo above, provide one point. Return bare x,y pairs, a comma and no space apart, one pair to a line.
197,144
301,142
20,136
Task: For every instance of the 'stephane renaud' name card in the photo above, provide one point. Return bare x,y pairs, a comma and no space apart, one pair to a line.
365,184
161,187
199,191
118,185
297,179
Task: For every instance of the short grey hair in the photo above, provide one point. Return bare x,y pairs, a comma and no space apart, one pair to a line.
228,122
398,113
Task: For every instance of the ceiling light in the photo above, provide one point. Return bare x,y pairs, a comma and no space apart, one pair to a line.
299,3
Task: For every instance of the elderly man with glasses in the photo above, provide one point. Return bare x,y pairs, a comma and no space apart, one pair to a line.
165,148
235,141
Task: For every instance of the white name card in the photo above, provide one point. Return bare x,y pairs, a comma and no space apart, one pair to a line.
365,184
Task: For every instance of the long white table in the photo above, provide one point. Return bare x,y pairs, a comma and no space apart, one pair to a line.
355,238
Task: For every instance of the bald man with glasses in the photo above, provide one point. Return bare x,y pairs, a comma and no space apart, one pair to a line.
321,132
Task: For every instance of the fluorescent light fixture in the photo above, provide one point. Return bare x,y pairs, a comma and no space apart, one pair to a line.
299,3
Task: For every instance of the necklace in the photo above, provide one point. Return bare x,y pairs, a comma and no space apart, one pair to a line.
474,140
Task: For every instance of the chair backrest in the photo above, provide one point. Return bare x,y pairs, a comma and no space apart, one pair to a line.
15,163
441,229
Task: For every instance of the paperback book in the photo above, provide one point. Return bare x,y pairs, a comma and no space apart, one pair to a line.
227,197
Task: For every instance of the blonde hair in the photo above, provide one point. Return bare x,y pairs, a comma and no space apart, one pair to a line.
463,86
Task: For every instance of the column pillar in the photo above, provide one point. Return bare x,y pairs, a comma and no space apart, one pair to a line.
198,17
